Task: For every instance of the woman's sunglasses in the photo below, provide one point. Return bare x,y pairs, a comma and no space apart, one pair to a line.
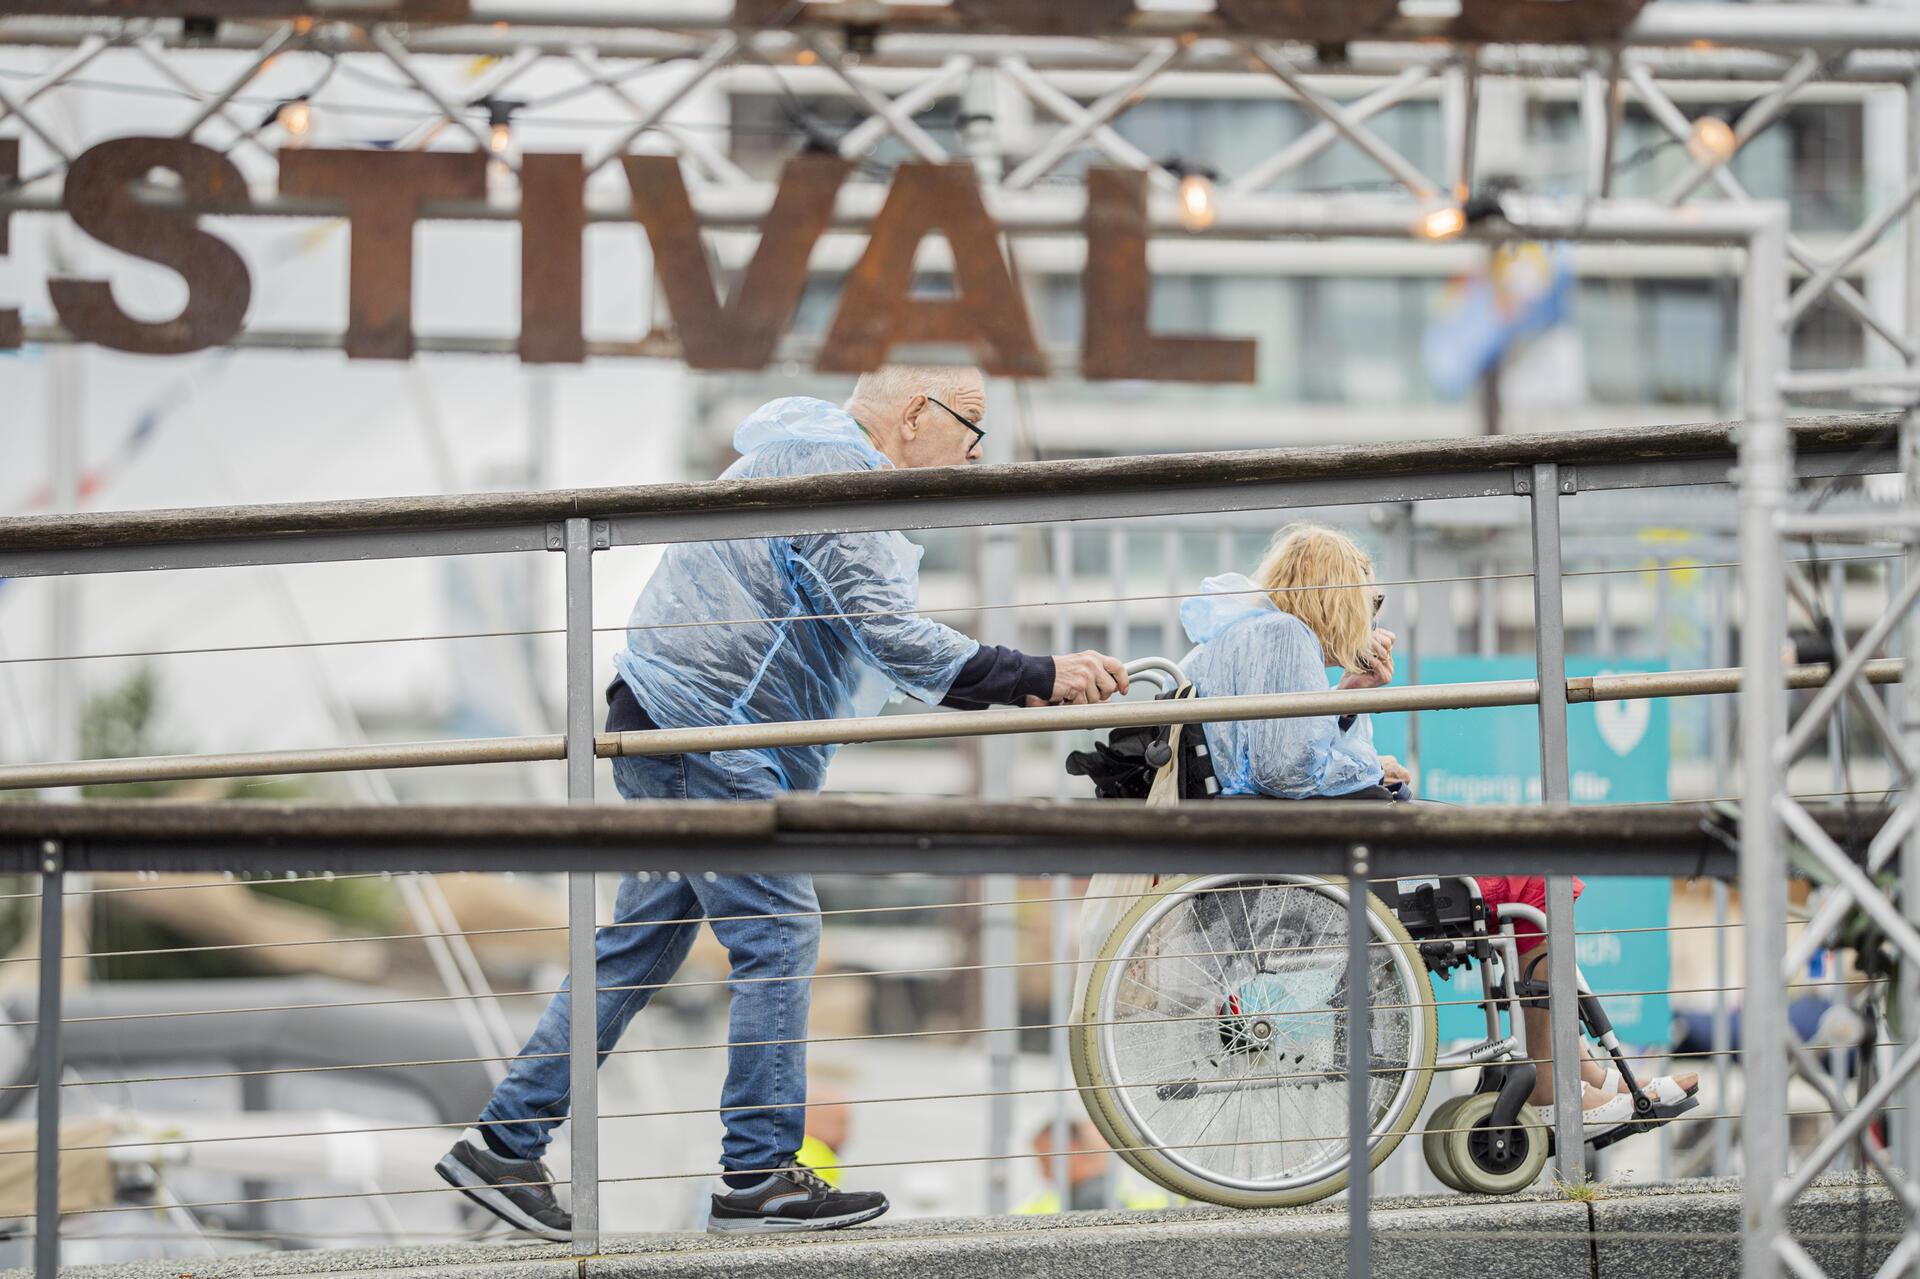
1378,600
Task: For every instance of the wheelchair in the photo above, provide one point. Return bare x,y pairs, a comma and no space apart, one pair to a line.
1210,1044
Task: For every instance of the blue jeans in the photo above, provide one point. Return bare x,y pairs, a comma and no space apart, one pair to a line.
767,924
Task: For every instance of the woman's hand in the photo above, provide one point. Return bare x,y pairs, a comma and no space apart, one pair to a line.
1393,772
1376,669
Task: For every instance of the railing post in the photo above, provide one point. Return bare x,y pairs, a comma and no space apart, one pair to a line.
47,1061
1550,662
1359,1068
583,1040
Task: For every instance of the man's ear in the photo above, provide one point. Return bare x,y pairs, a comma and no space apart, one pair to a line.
910,416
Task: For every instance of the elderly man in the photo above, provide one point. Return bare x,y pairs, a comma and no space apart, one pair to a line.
815,626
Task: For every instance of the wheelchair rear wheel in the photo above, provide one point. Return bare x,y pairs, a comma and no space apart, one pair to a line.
1212,1048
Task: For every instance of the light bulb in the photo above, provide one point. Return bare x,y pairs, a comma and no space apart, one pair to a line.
501,138
296,118
1713,140
1443,223
1196,202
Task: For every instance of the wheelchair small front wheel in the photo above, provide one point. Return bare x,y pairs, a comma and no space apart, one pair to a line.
1495,1161
1433,1142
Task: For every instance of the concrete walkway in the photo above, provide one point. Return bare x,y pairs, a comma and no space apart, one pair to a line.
1643,1232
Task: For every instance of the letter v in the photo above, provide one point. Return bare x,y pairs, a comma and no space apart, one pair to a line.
741,334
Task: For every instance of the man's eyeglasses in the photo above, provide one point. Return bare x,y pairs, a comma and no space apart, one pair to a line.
979,436
1378,600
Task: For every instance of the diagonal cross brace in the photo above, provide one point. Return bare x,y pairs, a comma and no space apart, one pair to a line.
1401,169
279,38
1324,134
861,137
1662,109
1856,659
1847,1128
716,162
717,55
450,111
1885,843
1802,1265
1863,700
1087,123
152,49
1865,238
1852,881
89,49
897,120
1817,1078
1755,121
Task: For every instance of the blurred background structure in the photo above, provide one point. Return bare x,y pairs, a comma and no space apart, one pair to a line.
1360,341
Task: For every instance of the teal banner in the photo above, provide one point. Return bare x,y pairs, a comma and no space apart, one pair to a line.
1619,754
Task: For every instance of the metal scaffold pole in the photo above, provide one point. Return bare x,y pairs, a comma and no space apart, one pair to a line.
1764,474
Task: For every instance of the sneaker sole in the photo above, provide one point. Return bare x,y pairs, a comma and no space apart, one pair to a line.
468,1183
787,1225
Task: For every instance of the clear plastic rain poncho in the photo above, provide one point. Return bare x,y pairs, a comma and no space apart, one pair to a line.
1247,646
783,668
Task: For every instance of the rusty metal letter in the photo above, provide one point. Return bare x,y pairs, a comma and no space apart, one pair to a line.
383,191
877,308
9,170
99,199
1313,21
1116,342
1545,21
553,224
743,333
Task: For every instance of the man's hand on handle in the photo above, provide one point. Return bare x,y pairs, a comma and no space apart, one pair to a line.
1082,679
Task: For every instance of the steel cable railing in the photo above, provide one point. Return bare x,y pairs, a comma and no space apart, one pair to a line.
859,615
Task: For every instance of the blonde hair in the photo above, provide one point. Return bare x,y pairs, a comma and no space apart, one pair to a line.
1322,577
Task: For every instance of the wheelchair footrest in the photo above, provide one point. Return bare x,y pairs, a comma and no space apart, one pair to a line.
1661,1116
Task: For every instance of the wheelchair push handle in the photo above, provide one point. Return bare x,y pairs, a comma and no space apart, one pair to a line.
1162,672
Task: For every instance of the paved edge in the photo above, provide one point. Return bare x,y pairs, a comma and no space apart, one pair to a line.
1845,1222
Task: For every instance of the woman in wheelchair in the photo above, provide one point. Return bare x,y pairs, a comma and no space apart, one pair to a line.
1311,605
1212,1028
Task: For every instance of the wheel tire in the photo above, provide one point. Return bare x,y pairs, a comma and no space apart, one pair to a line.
1433,1142
1480,1169
1097,1091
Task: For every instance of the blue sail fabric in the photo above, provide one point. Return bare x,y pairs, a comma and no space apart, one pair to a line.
761,650
1245,646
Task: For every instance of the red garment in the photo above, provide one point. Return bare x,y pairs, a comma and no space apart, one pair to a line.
1525,890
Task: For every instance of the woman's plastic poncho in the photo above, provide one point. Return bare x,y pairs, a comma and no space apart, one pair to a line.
780,667
1246,646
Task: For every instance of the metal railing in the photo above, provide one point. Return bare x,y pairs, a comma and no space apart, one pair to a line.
817,836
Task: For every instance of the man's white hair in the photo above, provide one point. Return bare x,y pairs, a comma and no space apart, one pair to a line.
893,384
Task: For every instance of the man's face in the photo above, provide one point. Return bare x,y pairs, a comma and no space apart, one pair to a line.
939,437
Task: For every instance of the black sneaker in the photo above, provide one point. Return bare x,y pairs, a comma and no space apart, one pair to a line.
518,1191
791,1200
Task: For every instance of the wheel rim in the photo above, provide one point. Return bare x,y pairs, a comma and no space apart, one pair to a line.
1223,1048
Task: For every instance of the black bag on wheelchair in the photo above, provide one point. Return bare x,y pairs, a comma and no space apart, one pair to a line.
1125,764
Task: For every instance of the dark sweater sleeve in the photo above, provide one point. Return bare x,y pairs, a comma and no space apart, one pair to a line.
997,675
